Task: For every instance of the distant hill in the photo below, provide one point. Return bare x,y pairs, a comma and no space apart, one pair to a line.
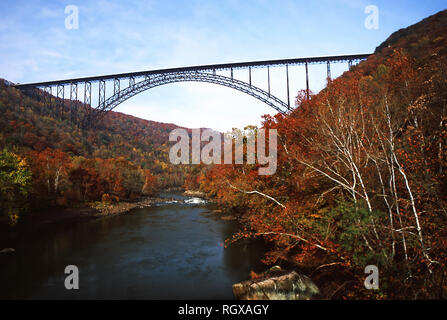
421,40
28,124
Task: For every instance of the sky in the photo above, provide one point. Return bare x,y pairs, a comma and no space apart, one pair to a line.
124,36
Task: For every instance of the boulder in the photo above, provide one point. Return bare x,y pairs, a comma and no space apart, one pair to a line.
194,193
288,286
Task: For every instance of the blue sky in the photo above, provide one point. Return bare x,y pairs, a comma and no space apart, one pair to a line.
123,36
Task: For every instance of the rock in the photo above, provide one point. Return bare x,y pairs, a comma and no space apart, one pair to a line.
289,286
193,193
274,269
228,218
8,250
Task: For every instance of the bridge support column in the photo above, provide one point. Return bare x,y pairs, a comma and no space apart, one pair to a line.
249,76
268,79
88,93
307,82
328,70
101,94
60,91
288,91
116,86
87,103
60,99
73,100
41,94
48,93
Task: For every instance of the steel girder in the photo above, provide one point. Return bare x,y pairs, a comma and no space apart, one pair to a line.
162,79
206,68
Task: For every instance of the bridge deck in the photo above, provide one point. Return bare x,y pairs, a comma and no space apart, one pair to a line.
211,67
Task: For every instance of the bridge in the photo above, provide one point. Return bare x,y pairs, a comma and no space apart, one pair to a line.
137,82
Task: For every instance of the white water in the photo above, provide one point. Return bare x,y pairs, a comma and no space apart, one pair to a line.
195,201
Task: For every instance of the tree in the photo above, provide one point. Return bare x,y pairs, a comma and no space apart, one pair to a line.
50,170
360,179
15,182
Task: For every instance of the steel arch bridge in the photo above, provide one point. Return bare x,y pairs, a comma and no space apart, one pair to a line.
146,84
145,80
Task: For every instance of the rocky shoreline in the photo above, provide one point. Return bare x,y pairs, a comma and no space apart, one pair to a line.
86,211
100,209
195,193
277,284
106,209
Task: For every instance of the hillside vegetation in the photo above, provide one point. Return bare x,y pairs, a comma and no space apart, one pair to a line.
360,180
361,176
46,159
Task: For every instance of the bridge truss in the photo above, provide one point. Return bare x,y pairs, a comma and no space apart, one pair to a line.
137,82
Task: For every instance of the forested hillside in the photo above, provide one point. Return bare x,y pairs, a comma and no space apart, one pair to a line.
361,176
49,159
361,173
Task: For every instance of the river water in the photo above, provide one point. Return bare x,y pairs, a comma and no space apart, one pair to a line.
169,251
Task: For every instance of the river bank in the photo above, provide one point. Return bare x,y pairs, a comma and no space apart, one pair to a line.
98,209
85,211
106,209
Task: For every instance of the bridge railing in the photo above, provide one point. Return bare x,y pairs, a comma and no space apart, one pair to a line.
209,68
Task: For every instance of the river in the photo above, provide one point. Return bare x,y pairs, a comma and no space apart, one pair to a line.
168,251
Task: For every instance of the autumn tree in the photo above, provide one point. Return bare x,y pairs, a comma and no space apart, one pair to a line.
50,172
15,183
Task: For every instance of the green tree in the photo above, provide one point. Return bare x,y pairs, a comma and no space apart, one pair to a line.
15,181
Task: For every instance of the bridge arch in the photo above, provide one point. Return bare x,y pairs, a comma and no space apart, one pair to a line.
167,78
